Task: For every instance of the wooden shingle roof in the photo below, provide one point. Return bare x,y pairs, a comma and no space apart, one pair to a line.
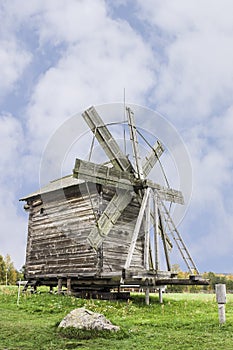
64,182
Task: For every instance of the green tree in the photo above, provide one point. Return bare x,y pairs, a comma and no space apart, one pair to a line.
2,270
10,271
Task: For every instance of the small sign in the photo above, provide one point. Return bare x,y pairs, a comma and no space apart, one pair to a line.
220,290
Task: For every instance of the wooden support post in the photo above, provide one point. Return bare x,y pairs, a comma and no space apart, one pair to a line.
147,236
156,232
19,284
220,290
59,286
164,241
147,296
137,228
68,286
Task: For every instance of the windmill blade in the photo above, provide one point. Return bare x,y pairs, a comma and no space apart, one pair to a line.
151,159
167,194
102,174
134,140
109,217
137,228
106,140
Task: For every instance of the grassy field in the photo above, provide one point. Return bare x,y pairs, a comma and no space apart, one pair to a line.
184,321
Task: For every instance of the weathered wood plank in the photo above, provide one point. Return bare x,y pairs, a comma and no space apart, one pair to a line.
57,237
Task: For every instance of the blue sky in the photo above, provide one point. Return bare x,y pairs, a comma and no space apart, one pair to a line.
59,57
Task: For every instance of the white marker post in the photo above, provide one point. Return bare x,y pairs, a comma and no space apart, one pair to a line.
20,283
220,290
161,291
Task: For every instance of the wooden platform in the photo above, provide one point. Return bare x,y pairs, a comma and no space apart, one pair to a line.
88,285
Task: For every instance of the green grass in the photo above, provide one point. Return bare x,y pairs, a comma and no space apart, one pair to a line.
184,321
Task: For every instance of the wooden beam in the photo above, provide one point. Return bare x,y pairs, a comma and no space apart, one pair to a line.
151,159
181,282
101,174
134,141
106,140
163,235
147,235
156,232
109,217
137,228
166,194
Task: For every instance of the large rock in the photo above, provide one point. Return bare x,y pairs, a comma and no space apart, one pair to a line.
85,319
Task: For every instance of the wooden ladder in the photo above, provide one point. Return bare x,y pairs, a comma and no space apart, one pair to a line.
177,237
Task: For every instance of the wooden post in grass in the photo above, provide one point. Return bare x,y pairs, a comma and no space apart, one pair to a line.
220,290
68,283
19,284
147,296
59,286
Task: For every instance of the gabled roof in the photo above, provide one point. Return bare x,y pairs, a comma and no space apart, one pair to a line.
64,182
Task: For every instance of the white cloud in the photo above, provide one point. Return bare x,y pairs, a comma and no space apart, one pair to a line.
11,136
80,20
13,227
179,16
13,224
14,57
13,61
197,72
209,220
100,58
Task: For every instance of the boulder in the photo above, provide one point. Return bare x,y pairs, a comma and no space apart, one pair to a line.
82,318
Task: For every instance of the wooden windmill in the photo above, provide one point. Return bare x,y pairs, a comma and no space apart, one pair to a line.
131,182
106,225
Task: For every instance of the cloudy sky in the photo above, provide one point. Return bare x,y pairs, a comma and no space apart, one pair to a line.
58,57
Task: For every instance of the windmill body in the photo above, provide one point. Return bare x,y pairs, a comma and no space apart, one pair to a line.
104,226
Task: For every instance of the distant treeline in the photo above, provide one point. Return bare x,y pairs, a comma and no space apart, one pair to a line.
214,278
8,273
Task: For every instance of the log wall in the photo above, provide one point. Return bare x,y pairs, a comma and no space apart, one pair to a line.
59,224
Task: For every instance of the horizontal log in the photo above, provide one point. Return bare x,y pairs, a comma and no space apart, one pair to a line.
181,281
